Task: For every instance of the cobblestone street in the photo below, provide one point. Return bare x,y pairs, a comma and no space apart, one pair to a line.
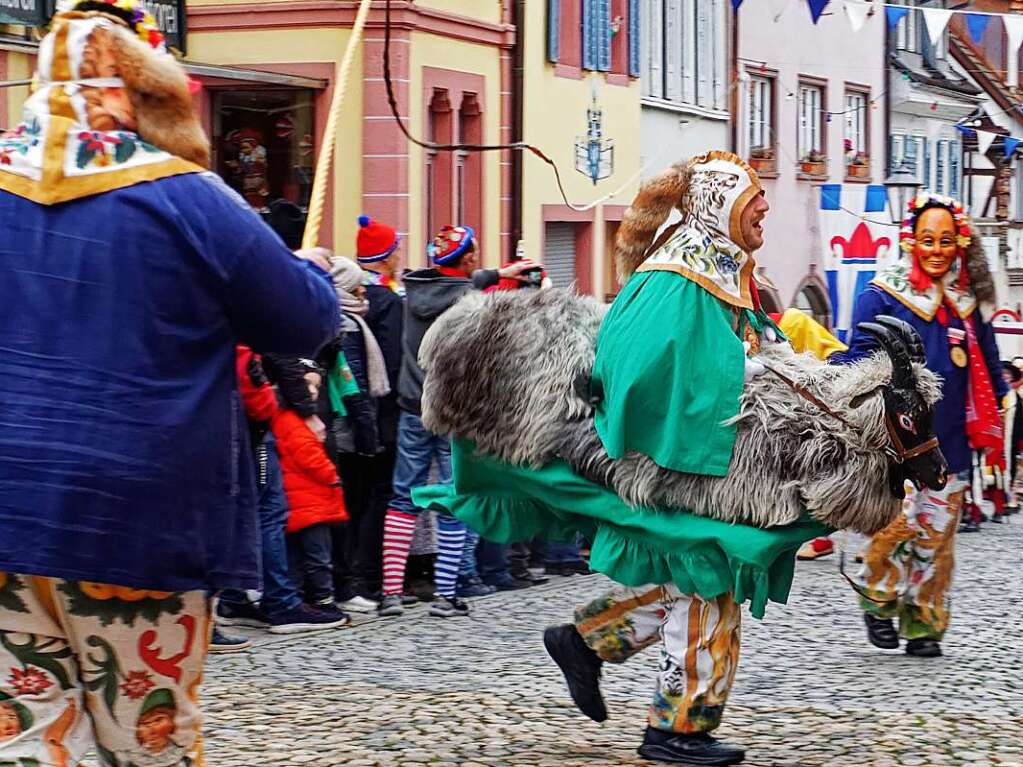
481,691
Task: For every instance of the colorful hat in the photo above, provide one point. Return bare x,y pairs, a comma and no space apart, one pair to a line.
131,12
161,698
375,241
450,244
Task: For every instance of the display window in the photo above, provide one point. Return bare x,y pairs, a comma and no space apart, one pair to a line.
263,148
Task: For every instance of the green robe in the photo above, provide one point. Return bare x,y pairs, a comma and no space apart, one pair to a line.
670,368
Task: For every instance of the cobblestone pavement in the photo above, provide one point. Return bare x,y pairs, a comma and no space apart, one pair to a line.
480,691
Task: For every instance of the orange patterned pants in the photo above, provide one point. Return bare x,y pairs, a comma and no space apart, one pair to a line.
699,648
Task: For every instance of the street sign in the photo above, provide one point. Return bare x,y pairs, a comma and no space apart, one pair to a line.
29,13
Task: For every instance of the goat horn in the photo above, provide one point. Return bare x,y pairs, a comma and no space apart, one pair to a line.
908,334
902,362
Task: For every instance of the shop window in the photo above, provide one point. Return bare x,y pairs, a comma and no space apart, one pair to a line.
263,143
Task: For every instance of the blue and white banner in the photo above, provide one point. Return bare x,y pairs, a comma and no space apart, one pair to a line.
854,244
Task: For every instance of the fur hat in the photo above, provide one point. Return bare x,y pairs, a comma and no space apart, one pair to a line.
375,241
154,81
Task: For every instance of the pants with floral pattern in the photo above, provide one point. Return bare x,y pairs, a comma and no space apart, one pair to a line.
699,648
87,665
907,566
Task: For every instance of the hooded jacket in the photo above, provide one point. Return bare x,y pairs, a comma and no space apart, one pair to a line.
428,294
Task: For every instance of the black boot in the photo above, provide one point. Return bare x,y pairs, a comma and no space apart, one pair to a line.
696,749
923,648
969,526
881,632
581,667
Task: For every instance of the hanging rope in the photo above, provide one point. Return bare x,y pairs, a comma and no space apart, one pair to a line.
318,196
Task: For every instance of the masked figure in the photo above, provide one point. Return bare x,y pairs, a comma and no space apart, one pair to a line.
942,287
658,431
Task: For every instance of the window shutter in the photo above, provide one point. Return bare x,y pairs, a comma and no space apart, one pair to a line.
910,155
589,34
704,54
553,30
939,166
634,35
604,35
926,175
673,50
953,169
891,154
653,26
687,45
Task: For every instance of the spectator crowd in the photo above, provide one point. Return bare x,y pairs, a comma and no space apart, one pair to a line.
339,444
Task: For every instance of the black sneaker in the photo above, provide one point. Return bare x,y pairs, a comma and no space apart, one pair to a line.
698,748
923,648
306,619
506,582
881,632
243,614
581,667
225,643
448,607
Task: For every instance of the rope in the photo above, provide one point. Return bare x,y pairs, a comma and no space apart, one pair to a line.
318,196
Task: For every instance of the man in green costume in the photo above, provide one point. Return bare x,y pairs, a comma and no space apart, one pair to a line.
657,390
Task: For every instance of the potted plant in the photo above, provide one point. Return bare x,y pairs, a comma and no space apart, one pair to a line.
813,163
761,159
859,166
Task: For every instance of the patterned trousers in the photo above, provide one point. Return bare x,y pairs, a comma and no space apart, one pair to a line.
699,648
86,665
907,567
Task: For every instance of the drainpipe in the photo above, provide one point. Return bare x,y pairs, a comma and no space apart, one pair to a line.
735,79
518,119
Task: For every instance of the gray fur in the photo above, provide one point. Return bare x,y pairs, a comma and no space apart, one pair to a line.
502,371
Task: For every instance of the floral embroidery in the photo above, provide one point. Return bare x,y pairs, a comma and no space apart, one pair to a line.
29,681
20,140
137,684
105,149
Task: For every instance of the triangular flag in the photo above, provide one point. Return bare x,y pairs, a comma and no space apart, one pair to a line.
895,15
1010,145
984,140
857,11
1014,32
736,4
977,23
817,8
936,20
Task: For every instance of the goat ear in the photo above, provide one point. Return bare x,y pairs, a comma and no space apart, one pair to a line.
859,399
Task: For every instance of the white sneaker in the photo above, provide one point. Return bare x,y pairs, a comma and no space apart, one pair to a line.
358,605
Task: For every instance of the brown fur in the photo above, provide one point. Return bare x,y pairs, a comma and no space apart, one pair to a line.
159,93
981,282
653,204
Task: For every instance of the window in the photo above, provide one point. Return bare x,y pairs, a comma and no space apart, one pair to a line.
600,35
914,152
683,52
856,137
811,123
953,168
907,33
761,115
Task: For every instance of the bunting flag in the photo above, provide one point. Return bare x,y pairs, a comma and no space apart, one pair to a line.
817,8
1014,32
984,140
895,15
1010,145
936,20
736,4
977,23
856,11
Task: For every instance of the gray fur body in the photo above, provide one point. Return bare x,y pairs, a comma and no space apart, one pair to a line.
502,371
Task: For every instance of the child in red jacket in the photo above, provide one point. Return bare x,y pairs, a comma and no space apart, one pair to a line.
315,501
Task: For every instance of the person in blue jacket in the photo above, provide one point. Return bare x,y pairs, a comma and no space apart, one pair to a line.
943,288
128,275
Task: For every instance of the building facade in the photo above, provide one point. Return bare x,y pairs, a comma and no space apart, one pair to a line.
809,115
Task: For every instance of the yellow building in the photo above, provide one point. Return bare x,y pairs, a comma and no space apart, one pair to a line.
267,73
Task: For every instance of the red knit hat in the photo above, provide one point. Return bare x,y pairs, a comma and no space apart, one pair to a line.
375,241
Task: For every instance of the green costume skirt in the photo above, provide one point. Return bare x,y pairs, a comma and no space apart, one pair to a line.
633,546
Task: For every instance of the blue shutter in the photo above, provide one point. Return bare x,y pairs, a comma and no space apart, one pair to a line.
926,175
604,35
953,169
635,63
554,30
589,33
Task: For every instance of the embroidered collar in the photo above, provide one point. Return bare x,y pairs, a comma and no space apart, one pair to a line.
724,270
924,304
53,156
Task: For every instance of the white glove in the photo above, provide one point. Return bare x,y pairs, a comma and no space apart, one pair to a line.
754,367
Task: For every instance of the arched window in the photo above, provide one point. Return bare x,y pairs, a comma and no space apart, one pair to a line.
812,300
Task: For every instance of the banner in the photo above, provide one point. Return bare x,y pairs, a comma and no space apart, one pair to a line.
853,249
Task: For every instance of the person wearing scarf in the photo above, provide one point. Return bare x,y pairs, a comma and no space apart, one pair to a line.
943,288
